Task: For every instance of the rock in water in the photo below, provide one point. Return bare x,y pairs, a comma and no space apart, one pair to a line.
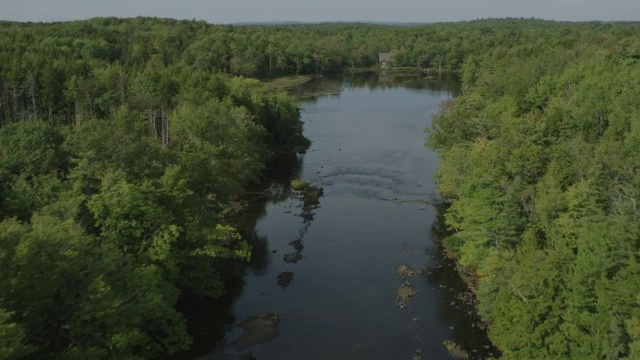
292,258
258,329
455,350
285,278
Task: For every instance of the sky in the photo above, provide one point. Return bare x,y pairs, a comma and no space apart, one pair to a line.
233,11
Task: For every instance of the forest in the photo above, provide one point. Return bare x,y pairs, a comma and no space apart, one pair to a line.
124,144
540,161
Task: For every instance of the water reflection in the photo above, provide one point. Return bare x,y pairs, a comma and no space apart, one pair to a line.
260,252
208,321
390,81
332,87
274,188
457,306
318,87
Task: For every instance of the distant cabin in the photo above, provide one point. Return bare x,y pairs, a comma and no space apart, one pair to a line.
385,59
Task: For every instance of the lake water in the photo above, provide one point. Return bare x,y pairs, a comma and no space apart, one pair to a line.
330,273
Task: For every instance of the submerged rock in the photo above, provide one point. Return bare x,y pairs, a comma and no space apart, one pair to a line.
404,293
292,258
404,270
285,278
310,193
258,329
307,216
311,196
297,245
455,350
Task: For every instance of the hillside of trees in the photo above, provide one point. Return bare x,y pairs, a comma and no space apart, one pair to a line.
124,142
115,178
541,163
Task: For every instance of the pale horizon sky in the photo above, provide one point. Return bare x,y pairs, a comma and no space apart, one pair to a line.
232,11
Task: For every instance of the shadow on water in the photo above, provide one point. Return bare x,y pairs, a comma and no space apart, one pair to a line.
209,320
318,87
274,188
458,306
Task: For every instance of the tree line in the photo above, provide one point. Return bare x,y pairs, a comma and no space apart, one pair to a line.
541,164
70,71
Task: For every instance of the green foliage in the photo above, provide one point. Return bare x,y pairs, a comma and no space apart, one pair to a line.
123,142
12,338
32,162
118,163
537,158
299,184
66,285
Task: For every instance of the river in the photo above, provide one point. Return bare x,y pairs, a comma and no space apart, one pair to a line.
333,274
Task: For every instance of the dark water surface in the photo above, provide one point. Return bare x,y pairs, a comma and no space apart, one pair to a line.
336,293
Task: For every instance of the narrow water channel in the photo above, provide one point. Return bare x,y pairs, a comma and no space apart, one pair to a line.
331,274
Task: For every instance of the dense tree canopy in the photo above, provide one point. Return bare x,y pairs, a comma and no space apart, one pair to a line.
123,142
541,160
72,71
116,171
